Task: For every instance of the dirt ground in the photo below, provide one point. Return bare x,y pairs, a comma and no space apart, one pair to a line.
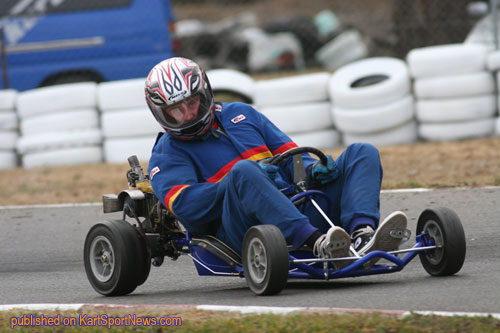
430,164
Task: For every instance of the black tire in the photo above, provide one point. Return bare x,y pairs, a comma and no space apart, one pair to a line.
114,258
265,259
146,256
443,227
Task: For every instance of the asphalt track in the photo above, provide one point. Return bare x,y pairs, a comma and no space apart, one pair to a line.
41,262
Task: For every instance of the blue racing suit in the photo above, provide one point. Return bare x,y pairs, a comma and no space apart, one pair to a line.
215,185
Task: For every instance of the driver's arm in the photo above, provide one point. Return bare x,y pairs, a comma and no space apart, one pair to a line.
175,183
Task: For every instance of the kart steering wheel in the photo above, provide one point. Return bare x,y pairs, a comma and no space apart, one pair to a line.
299,171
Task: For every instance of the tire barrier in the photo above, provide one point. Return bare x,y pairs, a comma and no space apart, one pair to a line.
440,93
372,102
300,107
59,125
127,125
233,82
8,129
454,91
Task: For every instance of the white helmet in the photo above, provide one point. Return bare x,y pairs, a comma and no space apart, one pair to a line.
173,85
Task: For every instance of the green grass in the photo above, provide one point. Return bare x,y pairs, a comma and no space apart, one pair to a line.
205,321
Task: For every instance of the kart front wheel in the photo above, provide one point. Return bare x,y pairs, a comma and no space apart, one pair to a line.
114,258
442,227
265,259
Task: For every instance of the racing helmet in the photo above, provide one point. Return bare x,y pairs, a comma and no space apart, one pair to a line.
180,97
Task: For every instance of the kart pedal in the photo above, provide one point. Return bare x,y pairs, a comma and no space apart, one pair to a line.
403,234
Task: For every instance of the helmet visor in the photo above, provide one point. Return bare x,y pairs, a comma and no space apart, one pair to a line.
185,113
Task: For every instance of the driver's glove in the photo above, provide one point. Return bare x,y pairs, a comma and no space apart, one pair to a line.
270,169
325,173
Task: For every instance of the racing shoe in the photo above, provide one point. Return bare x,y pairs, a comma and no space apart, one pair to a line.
361,236
387,237
334,244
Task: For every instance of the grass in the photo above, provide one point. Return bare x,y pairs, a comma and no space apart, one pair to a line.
206,321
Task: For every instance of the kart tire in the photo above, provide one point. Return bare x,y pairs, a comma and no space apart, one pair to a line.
445,229
265,259
127,265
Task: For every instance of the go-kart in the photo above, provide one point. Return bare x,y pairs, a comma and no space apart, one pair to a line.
118,254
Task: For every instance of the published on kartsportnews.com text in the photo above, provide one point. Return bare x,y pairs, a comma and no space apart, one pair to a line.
101,320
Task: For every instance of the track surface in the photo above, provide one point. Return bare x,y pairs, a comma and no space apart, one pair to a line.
41,262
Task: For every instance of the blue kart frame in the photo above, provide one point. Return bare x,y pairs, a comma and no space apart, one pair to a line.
118,254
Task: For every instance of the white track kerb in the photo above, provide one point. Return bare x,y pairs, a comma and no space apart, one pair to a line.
244,309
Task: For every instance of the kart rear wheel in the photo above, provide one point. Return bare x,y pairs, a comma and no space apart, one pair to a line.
265,259
443,229
114,258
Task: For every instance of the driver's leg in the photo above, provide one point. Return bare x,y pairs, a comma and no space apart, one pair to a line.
356,193
251,198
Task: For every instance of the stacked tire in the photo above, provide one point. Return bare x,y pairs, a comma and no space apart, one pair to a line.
8,129
59,126
493,65
229,81
128,127
454,91
372,102
300,107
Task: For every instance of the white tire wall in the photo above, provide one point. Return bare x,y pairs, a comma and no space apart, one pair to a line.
66,120
65,156
345,92
403,134
470,84
300,89
117,150
8,140
443,110
375,118
58,140
457,130
372,102
124,94
455,93
9,125
324,139
129,123
446,60
230,80
55,98
497,127
293,119
59,125
8,159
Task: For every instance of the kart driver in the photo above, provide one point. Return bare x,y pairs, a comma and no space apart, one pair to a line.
208,171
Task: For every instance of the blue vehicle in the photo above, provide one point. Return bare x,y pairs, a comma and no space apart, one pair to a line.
118,255
48,42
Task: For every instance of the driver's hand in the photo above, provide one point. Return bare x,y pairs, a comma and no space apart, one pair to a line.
270,169
325,173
